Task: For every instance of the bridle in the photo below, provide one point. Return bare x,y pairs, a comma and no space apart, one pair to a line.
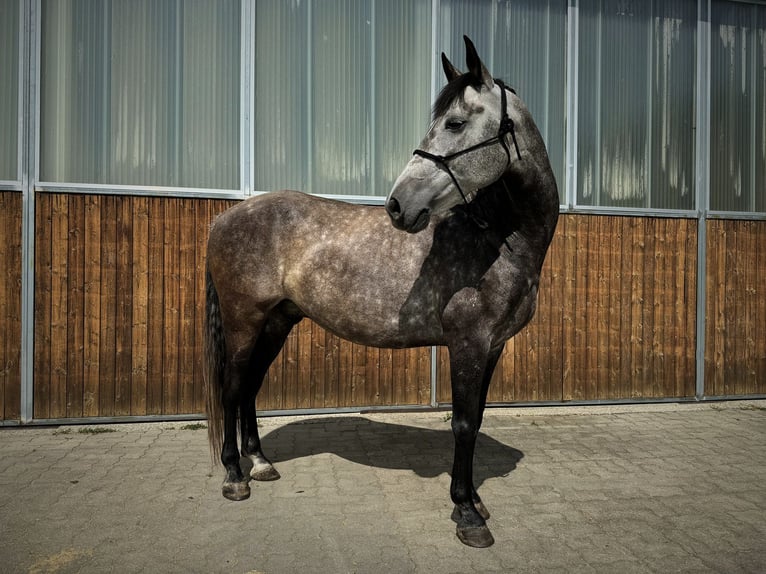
506,127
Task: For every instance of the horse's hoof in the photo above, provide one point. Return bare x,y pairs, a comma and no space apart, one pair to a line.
480,508
264,473
235,490
475,536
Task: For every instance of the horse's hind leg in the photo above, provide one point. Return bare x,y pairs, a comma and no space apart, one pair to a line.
235,485
270,342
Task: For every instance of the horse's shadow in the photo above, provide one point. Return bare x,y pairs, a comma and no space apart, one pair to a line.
427,452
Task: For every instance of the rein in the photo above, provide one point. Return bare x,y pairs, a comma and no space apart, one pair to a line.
506,127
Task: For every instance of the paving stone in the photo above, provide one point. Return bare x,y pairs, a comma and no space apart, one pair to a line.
646,488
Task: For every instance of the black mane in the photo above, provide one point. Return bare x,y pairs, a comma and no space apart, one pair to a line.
454,90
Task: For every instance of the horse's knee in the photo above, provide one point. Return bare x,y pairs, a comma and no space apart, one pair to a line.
464,429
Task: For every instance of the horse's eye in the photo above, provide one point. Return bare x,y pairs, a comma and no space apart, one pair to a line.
454,125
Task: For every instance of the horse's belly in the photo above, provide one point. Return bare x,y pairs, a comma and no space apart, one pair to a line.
374,323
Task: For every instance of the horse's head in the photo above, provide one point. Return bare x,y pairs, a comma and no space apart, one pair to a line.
469,146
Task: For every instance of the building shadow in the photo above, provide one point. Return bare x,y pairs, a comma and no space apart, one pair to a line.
427,452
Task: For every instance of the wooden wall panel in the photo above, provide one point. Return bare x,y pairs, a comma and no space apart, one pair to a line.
735,333
11,206
119,302
119,307
615,316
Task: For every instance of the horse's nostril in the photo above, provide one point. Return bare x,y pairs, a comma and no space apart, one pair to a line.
393,207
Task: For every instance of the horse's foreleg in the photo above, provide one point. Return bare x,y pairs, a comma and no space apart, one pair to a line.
489,370
471,371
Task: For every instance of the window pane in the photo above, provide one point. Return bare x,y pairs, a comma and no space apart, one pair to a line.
738,107
636,99
342,92
522,42
9,89
140,93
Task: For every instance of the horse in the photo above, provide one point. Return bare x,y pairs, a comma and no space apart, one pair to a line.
452,259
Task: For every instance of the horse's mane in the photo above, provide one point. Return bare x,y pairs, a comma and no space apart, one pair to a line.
453,91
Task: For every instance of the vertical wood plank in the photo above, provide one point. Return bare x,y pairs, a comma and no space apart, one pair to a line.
746,250
42,354
599,287
140,307
638,360
758,292
92,282
332,373
508,390
625,312
675,317
10,306
59,255
124,296
615,308
186,318
557,258
400,373
690,304
644,383
14,325
305,382
171,319
155,302
318,343
386,379
289,381
570,307
358,371
659,311
730,319
544,335
75,307
582,307
108,348
7,230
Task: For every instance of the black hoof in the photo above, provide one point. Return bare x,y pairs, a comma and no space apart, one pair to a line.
480,508
235,490
475,536
265,474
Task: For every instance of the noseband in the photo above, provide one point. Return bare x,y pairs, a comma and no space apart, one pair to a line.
506,127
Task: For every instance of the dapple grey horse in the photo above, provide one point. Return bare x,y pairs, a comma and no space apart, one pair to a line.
453,259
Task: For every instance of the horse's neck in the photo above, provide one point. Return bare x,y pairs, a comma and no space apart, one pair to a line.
521,206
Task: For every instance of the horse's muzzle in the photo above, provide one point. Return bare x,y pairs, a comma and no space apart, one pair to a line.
403,220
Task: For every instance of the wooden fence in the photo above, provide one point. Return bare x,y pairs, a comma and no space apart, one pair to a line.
118,302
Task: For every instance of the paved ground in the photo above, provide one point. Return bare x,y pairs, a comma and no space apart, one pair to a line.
666,488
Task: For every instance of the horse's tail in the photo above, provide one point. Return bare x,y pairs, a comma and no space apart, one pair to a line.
215,359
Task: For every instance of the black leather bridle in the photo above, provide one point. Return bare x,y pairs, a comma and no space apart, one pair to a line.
506,127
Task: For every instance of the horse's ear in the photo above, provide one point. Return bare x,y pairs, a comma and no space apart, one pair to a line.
449,70
476,66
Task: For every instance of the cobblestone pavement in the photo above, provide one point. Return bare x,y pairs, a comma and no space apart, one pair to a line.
651,488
